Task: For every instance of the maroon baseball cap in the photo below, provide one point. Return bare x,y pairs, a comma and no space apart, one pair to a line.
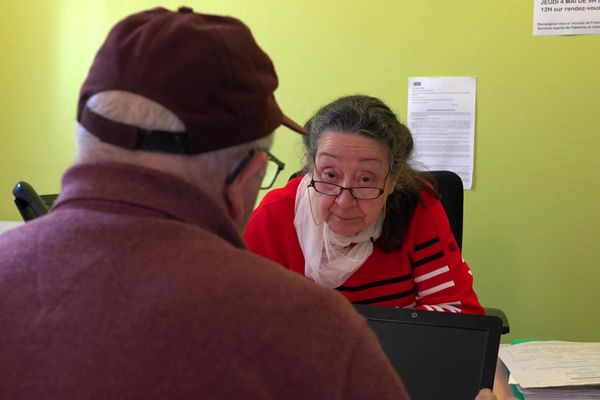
206,69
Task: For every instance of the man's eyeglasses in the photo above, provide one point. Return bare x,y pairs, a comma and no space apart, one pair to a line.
274,167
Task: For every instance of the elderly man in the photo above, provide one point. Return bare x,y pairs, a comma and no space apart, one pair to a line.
137,284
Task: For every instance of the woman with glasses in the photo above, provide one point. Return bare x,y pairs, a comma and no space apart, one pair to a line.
361,219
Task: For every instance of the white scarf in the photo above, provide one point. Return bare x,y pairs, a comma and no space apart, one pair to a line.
329,258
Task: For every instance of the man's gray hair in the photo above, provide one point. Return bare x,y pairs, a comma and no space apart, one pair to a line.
205,170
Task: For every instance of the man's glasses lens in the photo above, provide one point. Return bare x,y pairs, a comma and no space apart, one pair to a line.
270,175
274,167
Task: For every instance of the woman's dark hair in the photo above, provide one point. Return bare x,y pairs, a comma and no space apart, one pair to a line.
370,117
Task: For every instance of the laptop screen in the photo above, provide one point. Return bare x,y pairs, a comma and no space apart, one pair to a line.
438,355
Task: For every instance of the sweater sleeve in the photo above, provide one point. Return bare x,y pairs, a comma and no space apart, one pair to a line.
443,279
270,231
262,236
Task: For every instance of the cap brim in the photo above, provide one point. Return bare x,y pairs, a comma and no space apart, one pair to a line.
293,126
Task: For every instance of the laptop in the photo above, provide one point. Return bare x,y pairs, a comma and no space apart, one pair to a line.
437,355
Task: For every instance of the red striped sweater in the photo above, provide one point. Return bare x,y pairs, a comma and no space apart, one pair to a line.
428,272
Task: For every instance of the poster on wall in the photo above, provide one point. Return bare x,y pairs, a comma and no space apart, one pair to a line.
566,17
441,117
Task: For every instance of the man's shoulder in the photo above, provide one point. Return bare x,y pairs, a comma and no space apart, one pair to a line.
286,288
20,234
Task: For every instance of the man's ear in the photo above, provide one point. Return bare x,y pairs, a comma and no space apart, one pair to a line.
244,189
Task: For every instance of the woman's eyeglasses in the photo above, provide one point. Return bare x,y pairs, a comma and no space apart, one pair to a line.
359,192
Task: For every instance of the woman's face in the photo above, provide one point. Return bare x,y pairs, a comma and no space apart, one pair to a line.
351,160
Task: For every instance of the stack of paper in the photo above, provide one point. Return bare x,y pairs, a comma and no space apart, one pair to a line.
561,393
554,369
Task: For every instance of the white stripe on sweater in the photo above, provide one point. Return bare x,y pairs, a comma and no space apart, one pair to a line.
431,274
450,308
444,307
452,303
436,289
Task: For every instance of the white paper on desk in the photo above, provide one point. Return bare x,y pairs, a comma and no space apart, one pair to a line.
561,393
441,117
553,363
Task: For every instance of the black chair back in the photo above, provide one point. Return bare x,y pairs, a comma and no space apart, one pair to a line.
450,187
29,203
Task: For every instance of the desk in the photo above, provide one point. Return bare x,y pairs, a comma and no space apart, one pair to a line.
502,389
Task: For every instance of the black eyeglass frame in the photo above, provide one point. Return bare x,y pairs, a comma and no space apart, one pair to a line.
350,189
270,157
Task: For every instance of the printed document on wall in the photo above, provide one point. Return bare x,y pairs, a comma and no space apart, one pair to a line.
566,17
441,117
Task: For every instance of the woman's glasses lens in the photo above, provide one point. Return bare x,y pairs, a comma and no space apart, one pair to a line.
362,193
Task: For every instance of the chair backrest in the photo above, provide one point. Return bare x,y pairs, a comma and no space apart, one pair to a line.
450,187
29,203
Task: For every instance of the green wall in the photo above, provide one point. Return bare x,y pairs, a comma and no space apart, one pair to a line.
532,218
